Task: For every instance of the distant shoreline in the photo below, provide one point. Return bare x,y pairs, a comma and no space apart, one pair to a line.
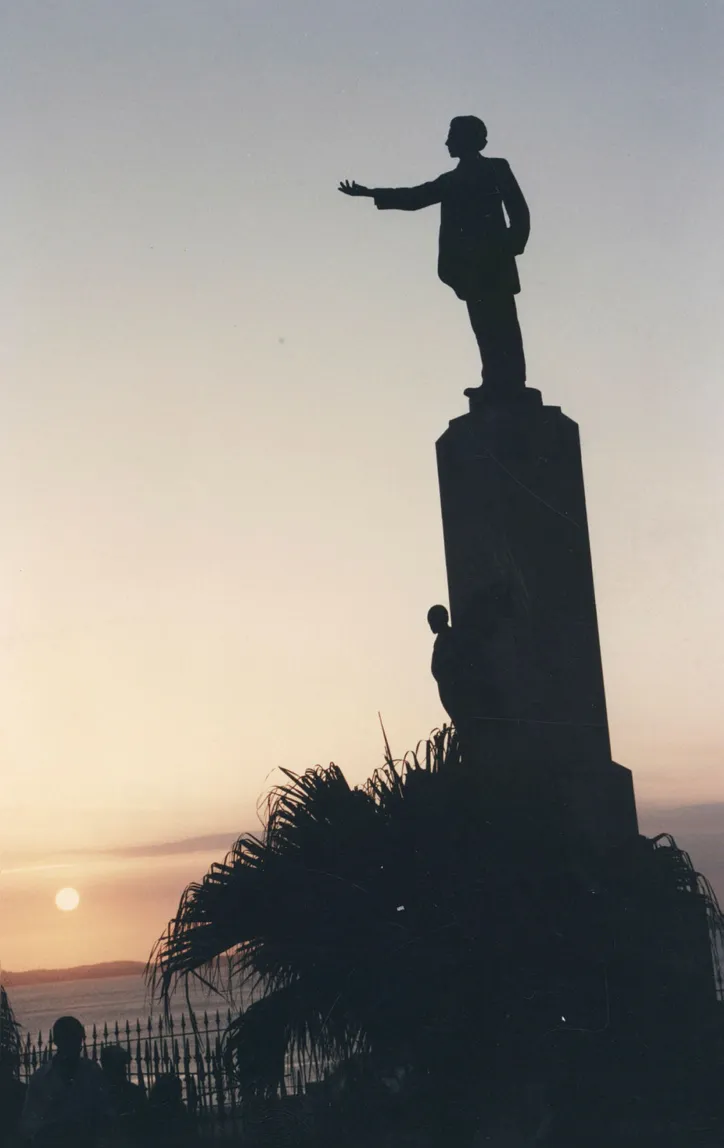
101,971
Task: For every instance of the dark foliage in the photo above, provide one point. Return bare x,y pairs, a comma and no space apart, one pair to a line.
9,1036
409,926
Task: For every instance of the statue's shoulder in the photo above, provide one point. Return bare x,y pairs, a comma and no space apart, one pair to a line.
501,172
487,171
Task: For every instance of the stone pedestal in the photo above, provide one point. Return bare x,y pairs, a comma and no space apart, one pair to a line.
516,532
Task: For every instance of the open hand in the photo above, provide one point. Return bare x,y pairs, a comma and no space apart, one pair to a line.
353,188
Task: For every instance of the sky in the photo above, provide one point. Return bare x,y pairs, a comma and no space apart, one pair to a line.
223,382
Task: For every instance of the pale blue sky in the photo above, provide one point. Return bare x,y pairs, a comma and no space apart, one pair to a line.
223,382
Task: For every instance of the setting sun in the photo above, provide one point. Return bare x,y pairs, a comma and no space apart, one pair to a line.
67,899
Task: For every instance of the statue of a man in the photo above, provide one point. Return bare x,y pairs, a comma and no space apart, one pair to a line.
477,248
462,671
446,667
474,663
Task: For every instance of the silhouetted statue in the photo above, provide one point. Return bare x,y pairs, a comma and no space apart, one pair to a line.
477,248
445,661
474,663
457,667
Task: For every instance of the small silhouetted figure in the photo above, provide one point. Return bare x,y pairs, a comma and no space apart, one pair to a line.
446,668
472,663
458,667
477,248
168,1122
67,1102
128,1099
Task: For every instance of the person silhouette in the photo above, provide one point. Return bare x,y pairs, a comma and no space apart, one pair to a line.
128,1099
477,248
67,1102
169,1123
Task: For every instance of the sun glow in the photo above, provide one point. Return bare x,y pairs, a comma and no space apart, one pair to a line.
67,899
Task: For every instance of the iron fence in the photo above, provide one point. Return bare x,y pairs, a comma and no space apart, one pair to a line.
175,1046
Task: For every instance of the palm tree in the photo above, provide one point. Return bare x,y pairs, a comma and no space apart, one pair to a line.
412,922
316,917
361,922
12,1090
9,1036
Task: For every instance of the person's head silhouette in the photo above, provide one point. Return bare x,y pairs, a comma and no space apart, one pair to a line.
68,1037
114,1061
437,619
467,137
167,1092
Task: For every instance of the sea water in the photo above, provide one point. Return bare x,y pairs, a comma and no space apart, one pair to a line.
104,1001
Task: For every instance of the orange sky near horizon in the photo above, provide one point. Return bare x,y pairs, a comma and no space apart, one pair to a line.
126,901
223,382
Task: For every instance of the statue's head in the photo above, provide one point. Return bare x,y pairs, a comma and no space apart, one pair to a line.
437,618
467,136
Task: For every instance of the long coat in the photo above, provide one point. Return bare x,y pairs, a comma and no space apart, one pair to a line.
477,248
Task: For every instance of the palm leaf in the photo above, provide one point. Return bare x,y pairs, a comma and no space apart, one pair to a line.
406,919
9,1034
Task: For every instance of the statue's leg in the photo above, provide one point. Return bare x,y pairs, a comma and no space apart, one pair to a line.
512,340
481,329
494,319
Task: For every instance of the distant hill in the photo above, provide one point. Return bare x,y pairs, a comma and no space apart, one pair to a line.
78,973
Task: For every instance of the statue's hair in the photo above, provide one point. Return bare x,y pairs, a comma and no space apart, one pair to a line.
474,129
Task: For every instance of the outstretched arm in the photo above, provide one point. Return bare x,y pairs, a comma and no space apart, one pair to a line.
515,206
400,198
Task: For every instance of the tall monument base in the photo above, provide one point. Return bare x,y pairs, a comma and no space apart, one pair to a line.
520,586
525,779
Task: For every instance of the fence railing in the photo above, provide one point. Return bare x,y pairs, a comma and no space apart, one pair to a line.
174,1046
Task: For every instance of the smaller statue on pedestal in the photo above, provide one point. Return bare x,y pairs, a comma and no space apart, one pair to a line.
460,666
448,664
474,663
477,249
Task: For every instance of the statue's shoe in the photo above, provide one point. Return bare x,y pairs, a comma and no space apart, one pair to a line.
485,395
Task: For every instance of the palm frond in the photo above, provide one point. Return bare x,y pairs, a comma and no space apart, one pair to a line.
399,918
9,1035
269,1039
